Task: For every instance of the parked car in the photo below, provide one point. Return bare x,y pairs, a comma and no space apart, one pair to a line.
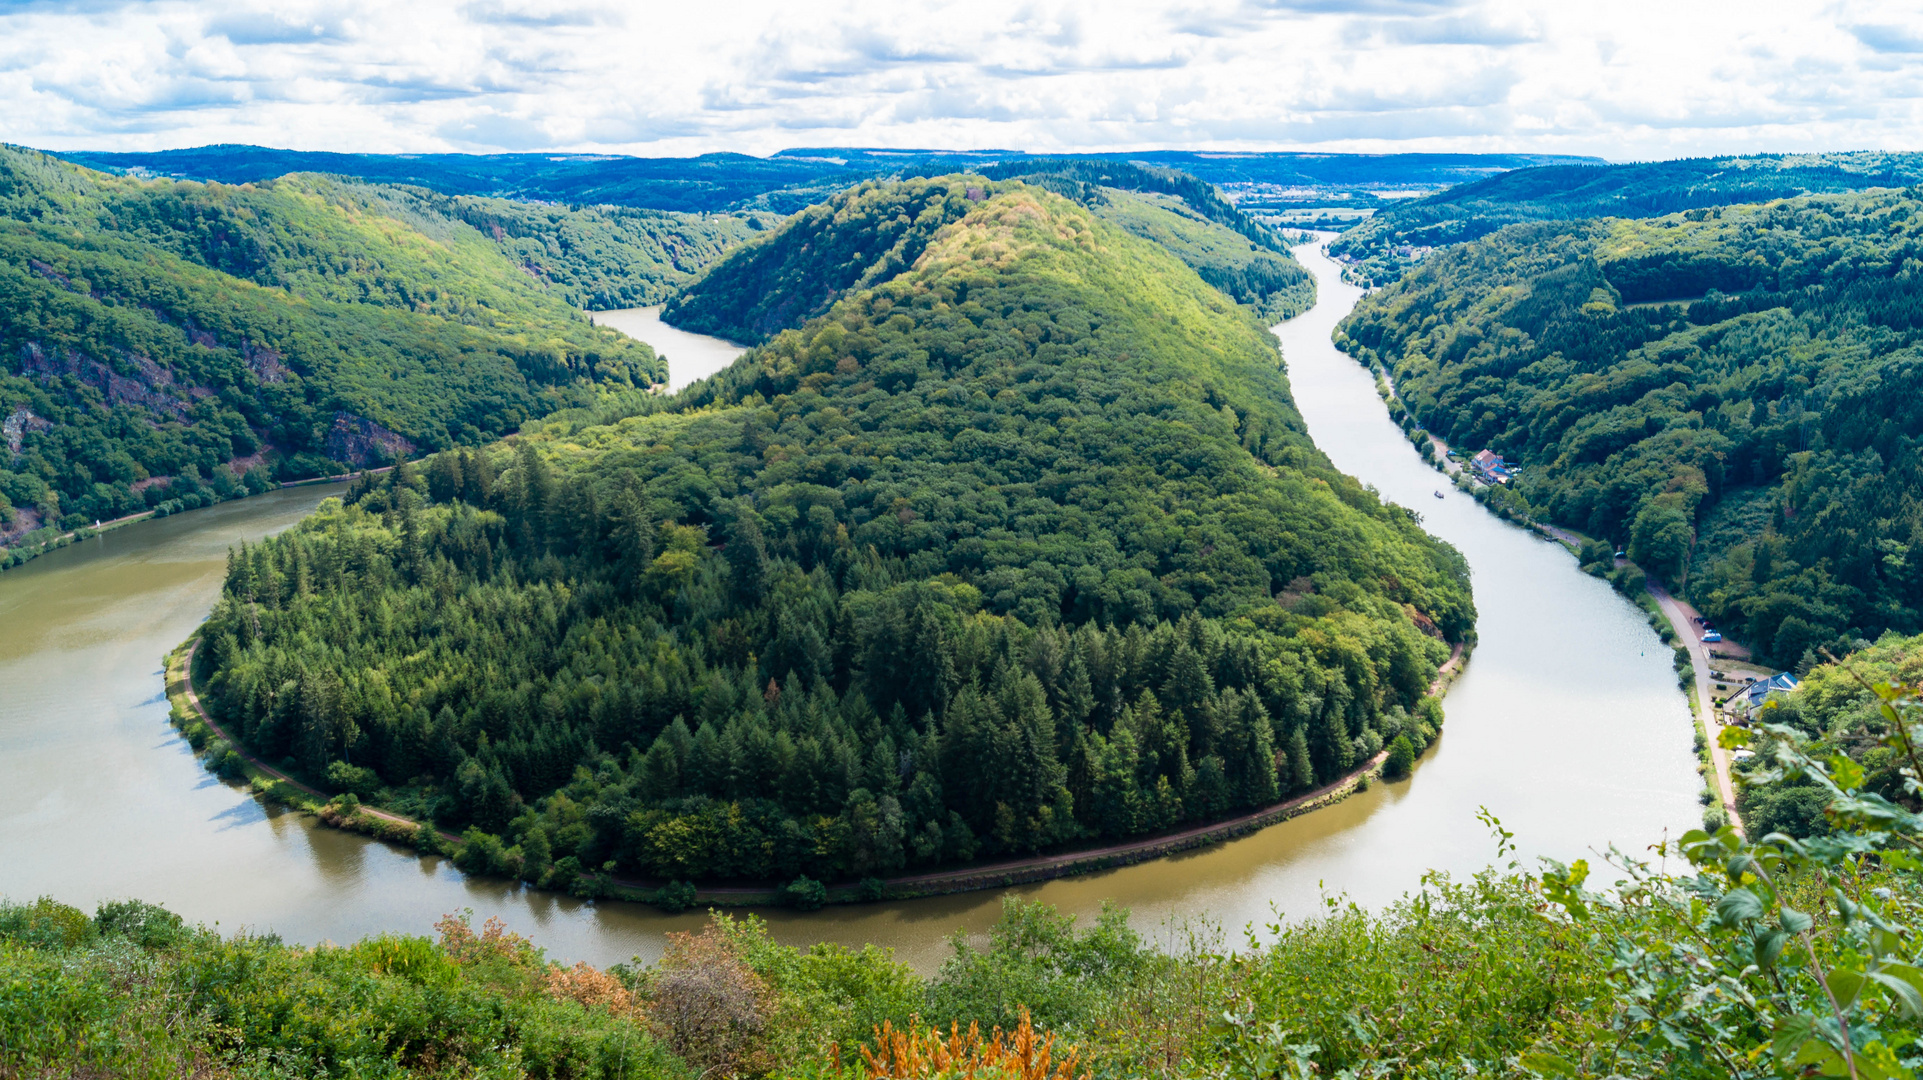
1712,638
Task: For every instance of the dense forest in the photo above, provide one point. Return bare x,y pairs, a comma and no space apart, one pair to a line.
1731,393
1396,238
163,340
1229,249
851,244
600,257
1018,549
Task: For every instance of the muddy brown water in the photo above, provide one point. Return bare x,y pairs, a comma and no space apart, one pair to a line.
1568,724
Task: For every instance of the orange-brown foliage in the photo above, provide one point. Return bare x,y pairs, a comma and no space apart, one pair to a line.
918,1054
589,987
463,946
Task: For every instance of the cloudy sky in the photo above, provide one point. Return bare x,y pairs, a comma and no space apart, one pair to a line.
1624,79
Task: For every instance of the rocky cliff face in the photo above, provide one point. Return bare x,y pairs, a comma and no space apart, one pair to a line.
15,428
134,380
361,442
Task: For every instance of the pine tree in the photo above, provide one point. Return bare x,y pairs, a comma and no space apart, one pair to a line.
706,770
1301,772
660,778
1249,750
747,554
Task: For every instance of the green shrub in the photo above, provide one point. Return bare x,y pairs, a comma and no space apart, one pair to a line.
148,925
428,840
353,779
674,897
481,853
46,923
1036,961
1402,758
804,894
416,959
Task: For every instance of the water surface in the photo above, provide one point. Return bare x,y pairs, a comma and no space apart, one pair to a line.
690,357
1568,724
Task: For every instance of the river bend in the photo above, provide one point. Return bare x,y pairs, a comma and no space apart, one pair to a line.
1568,724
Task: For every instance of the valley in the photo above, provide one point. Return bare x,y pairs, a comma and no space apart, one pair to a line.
1014,629
213,851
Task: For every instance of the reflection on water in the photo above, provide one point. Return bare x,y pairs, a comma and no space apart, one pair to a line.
690,356
1567,724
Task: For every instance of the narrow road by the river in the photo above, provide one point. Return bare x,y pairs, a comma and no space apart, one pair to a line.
1699,659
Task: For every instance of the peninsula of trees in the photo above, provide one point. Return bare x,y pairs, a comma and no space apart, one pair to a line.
1019,544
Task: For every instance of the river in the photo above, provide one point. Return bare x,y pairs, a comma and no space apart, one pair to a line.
690,357
1567,724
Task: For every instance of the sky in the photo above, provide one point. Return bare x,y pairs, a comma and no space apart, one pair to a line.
1623,79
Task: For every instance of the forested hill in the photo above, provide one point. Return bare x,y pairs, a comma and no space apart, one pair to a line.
1229,249
593,257
155,329
1396,238
1734,393
858,239
1021,548
876,230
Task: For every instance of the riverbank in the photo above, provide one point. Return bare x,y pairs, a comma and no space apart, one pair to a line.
224,755
1703,701
18,554
1677,618
1664,612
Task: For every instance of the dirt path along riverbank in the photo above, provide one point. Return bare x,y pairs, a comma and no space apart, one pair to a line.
1705,703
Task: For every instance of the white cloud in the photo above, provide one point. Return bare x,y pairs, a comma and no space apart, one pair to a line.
1630,79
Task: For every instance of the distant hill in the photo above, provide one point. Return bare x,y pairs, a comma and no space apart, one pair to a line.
796,274
1396,238
162,338
792,179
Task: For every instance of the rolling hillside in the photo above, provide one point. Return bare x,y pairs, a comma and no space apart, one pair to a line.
797,273
1397,237
160,334
1019,546
1730,392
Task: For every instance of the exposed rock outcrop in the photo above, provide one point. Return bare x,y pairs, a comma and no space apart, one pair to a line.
150,386
17,425
361,442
